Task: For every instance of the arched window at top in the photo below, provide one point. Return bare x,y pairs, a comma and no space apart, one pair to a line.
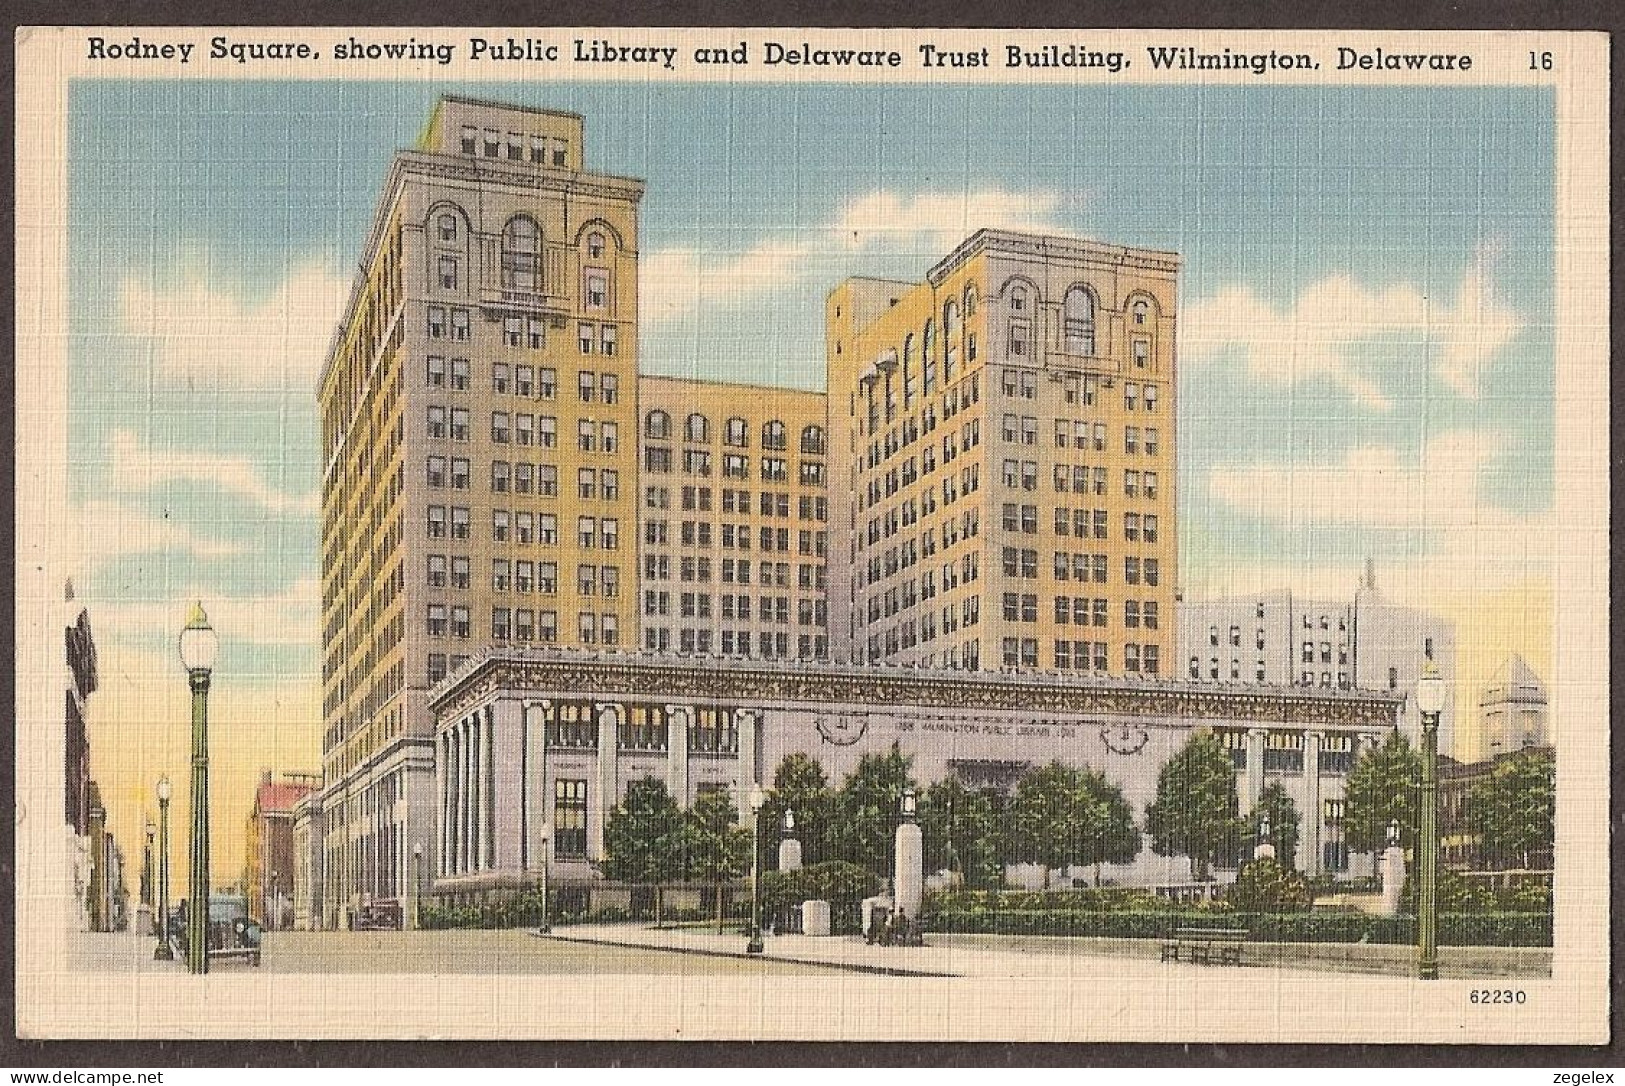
1079,321
928,360
595,244
773,435
950,340
911,376
736,433
699,428
1142,311
521,254
657,424
1018,299
446,227
970,300
812,441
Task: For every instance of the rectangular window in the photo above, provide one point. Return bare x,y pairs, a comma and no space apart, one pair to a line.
570,819
436,371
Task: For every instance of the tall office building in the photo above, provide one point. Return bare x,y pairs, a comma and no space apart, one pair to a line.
479,453
733,526
1003,436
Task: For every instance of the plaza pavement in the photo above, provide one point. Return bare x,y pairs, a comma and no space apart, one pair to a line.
1057,957
638,949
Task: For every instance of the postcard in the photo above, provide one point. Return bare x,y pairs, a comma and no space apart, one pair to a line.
788,534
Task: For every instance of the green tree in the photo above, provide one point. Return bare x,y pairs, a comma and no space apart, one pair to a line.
960,831
865,811
1061,816
716,846
644,839
1284,822
800,786
1513,809
1195,812
1382,788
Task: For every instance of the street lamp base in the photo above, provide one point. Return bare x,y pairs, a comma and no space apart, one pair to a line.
1428,971
755,945
545,929
163,953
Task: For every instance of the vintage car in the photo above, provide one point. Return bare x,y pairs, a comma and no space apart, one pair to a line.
232,932
379,916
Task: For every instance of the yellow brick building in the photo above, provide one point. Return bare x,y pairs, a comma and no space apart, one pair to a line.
1004,442
733,527
478,423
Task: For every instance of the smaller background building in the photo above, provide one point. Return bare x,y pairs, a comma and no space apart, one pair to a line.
1512,711
308,854
268,870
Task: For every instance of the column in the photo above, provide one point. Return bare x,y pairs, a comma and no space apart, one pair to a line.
748,720
507,799
464,786
678,719
1312,818
1255,769
439,858
488,789
599,806
538,801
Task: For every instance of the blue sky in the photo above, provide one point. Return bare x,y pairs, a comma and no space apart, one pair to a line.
1366,301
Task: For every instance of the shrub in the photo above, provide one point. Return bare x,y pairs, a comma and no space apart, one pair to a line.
1265,886
1313,926
843,885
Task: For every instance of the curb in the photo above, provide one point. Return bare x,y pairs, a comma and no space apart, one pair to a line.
703,952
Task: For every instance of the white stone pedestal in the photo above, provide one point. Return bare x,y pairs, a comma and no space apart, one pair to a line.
910,878
1393,879
815,918
789,854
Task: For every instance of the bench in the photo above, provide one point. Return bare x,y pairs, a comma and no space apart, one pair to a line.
1196,945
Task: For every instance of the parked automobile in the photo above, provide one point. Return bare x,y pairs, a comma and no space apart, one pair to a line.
232,933
382,916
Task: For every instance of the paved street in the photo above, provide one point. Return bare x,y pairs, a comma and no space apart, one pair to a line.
638,949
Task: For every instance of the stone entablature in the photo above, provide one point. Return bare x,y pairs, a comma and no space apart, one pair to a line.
635,675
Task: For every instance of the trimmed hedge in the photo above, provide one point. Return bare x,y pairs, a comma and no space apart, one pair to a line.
1324,926
1102,899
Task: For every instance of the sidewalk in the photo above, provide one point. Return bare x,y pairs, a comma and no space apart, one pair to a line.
1058,958
942,956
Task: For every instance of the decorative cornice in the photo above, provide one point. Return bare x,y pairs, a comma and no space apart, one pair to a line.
663,678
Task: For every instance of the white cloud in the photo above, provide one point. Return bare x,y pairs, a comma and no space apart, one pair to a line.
290,617
674,282
1372,486
1320,334
136,467
1462,543
202,332
108,530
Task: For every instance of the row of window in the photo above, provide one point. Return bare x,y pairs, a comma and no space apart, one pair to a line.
1073,655
700,533
544,150
1080,610
731,606
735,433
1023,562
455,323
657,459
771,503
522,624
769,646
523,526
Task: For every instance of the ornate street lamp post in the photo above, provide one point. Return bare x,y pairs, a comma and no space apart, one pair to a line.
149,874
1430,693
758,800
417,885
198,647
546,926
162,953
